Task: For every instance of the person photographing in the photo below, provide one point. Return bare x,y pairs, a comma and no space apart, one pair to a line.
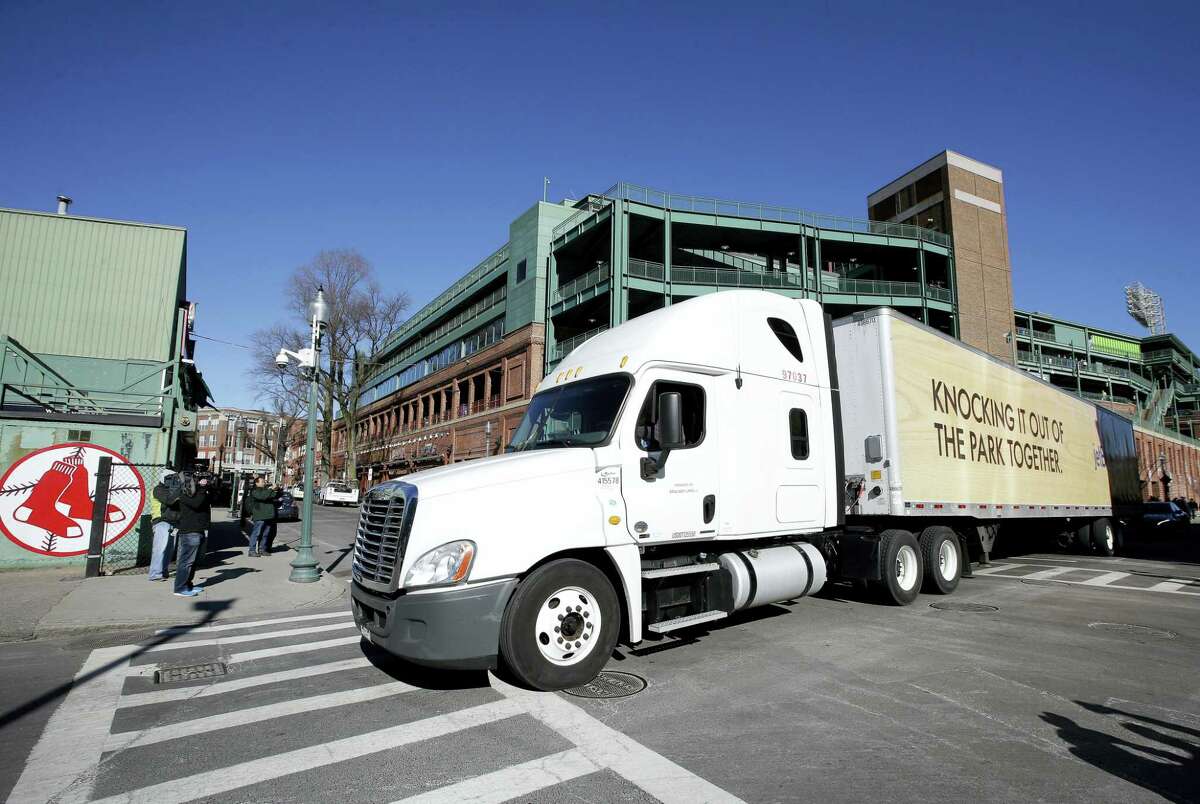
195,516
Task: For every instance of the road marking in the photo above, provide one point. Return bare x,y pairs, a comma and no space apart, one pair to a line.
313,629
1167,586
287,650
62,766
206,629
222,780
254,714
994,568
1105,579
233,685
509,783
654,773
1162,588
1047,573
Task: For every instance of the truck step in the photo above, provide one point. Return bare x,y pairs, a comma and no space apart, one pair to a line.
686,569
685,621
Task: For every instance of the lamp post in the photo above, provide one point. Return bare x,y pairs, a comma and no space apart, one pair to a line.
304,565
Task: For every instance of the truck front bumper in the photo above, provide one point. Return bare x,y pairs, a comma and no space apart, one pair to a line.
456,628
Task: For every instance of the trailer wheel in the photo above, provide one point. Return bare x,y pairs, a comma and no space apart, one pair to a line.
901,567
942,558
1104,537
560,626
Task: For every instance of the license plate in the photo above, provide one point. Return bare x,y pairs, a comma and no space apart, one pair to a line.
366,634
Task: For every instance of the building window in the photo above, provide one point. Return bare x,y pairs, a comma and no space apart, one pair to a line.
522,268
787,336
798,430
693,415
79,435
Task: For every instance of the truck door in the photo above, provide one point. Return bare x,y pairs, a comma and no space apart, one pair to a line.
798,457
680,500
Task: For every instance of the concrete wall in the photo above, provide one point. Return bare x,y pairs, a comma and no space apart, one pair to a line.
529,239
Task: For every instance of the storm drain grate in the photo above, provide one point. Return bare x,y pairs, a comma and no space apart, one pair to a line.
188,672
610,684
1133,630
950,605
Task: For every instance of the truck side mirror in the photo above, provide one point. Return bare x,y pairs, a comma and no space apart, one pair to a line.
670,432
670,420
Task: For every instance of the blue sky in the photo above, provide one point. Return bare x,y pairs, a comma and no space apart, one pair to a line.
416,134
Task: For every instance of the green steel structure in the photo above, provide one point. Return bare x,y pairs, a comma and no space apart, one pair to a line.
632,249
1157,377
94,340
579,267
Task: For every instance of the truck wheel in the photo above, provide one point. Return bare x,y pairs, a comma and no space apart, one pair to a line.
942,558
1104,537
560,626
900,568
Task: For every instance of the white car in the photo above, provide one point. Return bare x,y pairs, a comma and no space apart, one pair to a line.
297,492
338,493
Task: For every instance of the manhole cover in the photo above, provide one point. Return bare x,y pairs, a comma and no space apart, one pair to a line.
1040,582
188,672
1133,630
950,605
610,684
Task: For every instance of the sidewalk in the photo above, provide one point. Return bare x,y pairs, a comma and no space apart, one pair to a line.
41,603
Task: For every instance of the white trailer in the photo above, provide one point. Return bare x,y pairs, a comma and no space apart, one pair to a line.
704,459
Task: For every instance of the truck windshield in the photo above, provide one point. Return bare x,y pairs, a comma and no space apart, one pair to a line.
579,414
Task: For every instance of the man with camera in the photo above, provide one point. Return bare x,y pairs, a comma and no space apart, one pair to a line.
194,520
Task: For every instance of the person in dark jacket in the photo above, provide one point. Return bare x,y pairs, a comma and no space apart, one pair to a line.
262,512
164,517
194,518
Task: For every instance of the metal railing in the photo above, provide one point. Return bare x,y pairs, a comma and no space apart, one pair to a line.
732,277
580,283
754,210
646,269
438,304
564,348
591,205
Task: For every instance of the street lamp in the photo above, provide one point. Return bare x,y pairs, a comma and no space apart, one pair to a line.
304,565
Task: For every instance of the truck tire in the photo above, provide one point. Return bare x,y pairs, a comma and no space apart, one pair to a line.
560,626
900,568
1104,537
943,559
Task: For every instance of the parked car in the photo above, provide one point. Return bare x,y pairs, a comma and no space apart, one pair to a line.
286,509
338,493
297,492
1165,518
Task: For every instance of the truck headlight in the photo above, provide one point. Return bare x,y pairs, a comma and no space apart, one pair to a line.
449,563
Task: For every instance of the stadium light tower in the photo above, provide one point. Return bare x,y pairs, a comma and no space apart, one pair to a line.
1146,307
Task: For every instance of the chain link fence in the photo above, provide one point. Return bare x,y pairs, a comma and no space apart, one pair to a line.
131,551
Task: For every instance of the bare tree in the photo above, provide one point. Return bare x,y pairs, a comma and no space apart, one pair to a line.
284,393
361,319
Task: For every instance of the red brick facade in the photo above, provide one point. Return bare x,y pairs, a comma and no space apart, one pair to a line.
1181,460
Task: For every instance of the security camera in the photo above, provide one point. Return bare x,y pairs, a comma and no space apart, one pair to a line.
281,360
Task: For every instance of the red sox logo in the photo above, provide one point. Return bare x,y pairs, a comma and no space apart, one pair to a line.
46,499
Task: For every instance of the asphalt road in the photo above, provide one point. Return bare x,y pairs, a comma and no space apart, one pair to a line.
333,536
1073,679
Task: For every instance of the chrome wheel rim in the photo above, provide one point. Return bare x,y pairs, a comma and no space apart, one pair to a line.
567,626
948,560
906,567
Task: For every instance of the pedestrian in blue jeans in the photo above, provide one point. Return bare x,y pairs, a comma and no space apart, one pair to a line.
262,511
194,519
164,514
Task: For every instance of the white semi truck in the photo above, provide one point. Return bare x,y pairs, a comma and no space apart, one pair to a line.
735,450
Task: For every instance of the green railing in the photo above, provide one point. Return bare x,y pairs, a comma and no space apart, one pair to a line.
564,348
731,277
745,209
645,269
57,399
581,283
438,304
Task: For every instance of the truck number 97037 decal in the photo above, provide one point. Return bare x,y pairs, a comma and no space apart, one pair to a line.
794,376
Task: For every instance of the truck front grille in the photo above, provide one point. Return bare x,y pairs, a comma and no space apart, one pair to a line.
382,534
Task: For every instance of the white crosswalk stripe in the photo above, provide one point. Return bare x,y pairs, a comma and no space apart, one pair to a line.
1102,579
66,765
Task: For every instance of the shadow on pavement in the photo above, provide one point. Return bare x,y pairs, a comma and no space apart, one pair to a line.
424,677
1164,760
227,574
210,609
